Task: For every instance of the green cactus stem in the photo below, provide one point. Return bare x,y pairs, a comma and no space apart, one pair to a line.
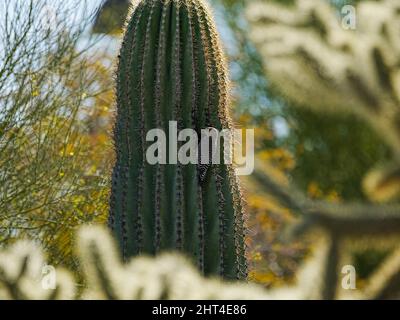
171,68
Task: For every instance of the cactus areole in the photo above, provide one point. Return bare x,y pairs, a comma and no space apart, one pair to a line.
171,68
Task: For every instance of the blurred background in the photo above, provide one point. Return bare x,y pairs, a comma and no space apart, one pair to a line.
56,117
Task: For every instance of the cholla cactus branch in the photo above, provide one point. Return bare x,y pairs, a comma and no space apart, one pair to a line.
385,282
316,62
173,277
21,275
286,195
169,276
338,218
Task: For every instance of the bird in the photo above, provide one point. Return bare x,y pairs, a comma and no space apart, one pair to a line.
204,165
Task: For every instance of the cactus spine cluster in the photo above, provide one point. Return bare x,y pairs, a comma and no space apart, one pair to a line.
171,68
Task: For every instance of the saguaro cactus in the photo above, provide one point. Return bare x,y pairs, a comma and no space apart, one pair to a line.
171,68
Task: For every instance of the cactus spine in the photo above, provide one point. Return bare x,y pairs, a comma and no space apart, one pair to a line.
171,68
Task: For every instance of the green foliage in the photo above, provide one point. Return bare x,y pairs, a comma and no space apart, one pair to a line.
317,142
111,16
174,73
48,83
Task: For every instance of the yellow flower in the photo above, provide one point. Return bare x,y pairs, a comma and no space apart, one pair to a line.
257,256
314,191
